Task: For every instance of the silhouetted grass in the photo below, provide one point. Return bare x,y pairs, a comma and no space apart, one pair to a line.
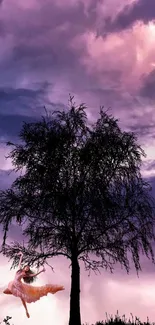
117,320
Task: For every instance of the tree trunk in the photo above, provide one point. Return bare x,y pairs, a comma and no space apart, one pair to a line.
75,318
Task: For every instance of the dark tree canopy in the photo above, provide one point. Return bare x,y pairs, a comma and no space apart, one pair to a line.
80,194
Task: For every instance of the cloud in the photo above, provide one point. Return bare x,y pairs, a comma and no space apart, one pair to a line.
61,43
99,294
148,88
22,101
37,41
20,105
139,10
6,179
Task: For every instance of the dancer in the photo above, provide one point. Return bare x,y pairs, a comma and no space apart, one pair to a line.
26,292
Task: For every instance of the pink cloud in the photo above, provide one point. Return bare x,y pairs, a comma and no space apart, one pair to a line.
131,52
99,294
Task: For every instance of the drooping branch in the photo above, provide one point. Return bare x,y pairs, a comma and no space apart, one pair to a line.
30,257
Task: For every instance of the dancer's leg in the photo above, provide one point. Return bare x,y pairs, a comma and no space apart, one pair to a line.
7,292
24,304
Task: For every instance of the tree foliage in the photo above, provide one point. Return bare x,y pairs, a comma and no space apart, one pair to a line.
80,193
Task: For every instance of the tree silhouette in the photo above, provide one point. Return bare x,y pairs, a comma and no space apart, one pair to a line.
80,195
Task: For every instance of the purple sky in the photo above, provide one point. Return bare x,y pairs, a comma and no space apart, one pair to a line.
103,53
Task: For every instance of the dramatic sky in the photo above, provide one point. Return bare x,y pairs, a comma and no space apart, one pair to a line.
103,53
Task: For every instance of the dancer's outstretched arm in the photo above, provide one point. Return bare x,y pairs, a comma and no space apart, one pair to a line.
20,261
33,275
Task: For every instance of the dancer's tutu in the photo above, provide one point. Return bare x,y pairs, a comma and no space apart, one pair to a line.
31,293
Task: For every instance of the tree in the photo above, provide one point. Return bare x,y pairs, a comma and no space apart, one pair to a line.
80,195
